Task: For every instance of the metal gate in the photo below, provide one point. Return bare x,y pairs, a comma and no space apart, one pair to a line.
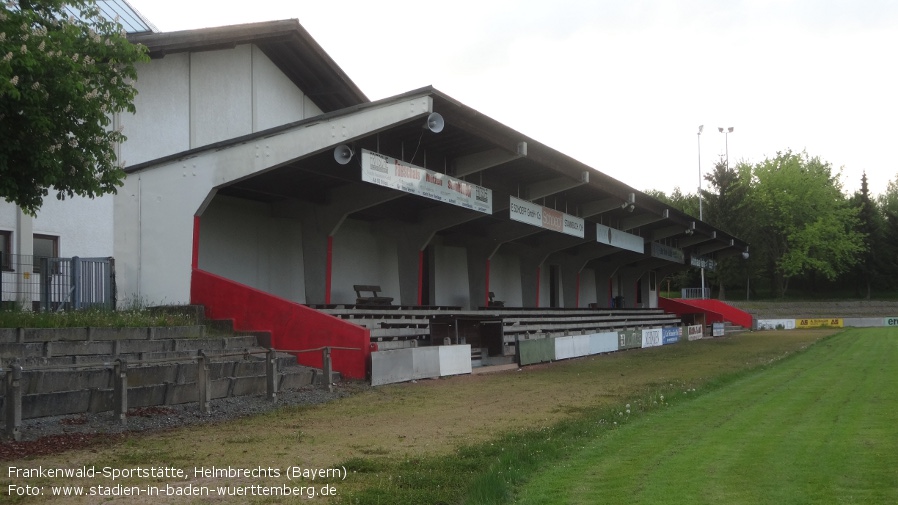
56,284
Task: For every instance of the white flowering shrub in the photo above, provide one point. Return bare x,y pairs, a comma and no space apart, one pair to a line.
62,78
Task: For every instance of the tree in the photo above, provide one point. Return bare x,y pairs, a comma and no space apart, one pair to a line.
808,226
65,71
687,203
724,208
870,226
887,249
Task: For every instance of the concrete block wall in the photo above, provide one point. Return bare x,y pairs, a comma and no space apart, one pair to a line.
65,390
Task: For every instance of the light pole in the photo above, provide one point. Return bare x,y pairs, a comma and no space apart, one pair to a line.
699,136
726,141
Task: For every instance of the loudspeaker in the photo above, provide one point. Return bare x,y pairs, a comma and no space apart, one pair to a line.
435,122
343,153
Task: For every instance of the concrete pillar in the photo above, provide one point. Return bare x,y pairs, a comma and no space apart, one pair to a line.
271,374
327,368
14,403
24,248
204,386
120,391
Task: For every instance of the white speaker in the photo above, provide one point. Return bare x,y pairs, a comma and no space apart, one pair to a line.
435,122
343,153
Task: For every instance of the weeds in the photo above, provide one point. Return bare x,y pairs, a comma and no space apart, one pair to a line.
96,318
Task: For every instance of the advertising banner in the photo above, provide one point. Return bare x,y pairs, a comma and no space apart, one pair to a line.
819,323
717,329
546,218
651,337
702,262
621,239
392,173
776,324
668,253
890,321
671,335
695,332
629,339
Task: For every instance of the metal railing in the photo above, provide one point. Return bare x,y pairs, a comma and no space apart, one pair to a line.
695,293
40,283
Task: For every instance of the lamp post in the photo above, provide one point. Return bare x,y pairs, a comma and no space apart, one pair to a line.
726,141
699,136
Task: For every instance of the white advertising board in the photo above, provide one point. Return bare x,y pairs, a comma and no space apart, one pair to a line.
776,324
651,337
621,239
392,173
544,217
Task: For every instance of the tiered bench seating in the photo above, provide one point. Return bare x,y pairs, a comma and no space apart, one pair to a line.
406,326
392,326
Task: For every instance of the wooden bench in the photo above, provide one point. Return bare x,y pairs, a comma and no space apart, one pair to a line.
370,300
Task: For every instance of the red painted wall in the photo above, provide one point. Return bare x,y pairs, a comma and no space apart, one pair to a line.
292,326
715,310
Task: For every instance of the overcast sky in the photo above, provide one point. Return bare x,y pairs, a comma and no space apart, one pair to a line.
623,85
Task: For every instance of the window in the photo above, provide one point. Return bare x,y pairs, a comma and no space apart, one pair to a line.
5,250
45,246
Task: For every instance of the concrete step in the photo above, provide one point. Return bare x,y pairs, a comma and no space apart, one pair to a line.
51,381
33,360
32,335
9,352
101,399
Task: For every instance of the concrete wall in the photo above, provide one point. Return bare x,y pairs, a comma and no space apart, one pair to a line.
161,125
191,100
363,254
588,288
8,218
451,276
505,279
240,240
543,286
83,225
154,211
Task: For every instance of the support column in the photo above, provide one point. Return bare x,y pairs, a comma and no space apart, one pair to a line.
24,248
14,403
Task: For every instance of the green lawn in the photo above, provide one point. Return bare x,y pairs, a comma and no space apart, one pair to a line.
818,428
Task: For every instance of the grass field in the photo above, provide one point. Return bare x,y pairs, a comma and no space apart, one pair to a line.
473,439
819,428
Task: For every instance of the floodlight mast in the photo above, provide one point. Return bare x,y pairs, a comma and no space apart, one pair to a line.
699,136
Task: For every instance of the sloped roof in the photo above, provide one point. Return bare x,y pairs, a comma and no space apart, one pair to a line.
285,42
467,133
